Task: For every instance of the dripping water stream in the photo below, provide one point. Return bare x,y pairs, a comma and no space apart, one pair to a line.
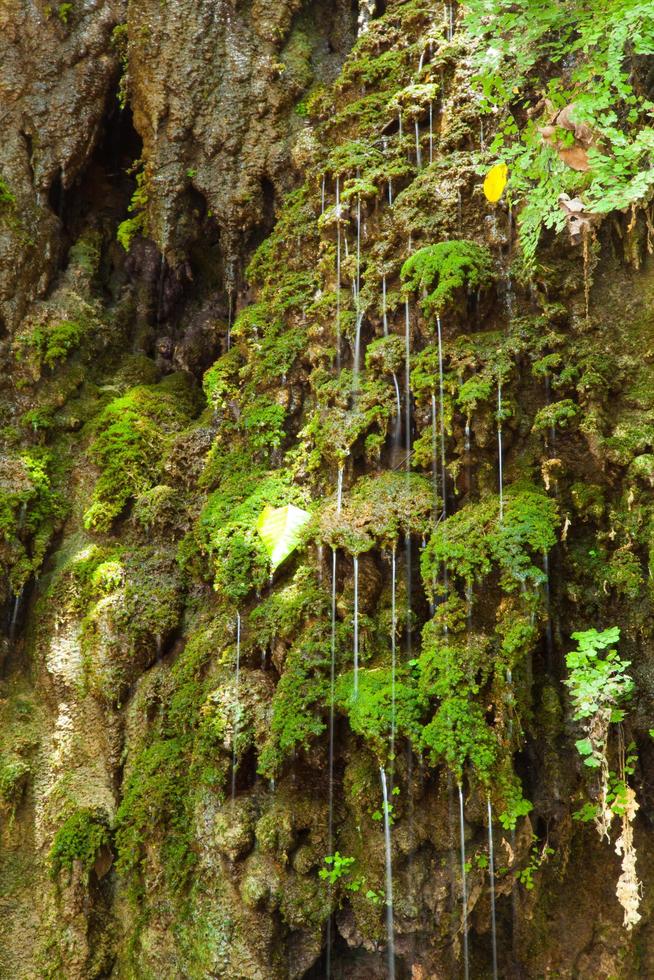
356,626
491,875
237,706
464,888
389,877
500,460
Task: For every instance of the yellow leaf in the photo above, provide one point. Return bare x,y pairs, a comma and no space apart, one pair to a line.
279,529
495,182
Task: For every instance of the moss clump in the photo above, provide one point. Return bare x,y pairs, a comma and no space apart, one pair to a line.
137,224
227,527
377,511
80,838
474,541
299,699
437,272
13,778
156,802
371,712
132,437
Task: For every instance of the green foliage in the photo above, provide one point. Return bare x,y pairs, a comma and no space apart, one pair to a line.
458,733
591,58
338,867
537,858
120,42
227,528
79,838
7,199
437,272
555,416
299,699
13,776
64,12
598,680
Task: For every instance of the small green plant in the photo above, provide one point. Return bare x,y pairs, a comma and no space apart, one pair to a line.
137,224
64,11
338,868
537,859
599,686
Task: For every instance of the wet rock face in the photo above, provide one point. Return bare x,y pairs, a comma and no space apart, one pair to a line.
57,69
214,86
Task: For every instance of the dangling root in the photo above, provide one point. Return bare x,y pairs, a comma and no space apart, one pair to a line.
629,888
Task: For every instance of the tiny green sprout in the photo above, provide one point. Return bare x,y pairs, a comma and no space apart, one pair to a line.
338,866
63,12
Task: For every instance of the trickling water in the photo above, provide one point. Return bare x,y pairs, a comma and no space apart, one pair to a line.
467,448
338,273
356,626
15,612
434,453
397,426
464,888
407,436
323,189
389,878
393,647
358,277
442,415
384,307
418,147
339,489
450,25
237,708
407,380
491,875
549,638
431,132
332,685
399,126
499,447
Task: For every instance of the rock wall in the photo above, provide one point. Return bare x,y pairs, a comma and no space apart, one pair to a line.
246,260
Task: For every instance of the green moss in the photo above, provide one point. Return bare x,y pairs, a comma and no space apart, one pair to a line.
156,806
558,415
79,838
131,439
14,773
474,541
438,271
227,527
137,224
299,700
370,713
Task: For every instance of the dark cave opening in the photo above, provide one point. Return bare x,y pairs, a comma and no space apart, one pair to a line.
99,197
